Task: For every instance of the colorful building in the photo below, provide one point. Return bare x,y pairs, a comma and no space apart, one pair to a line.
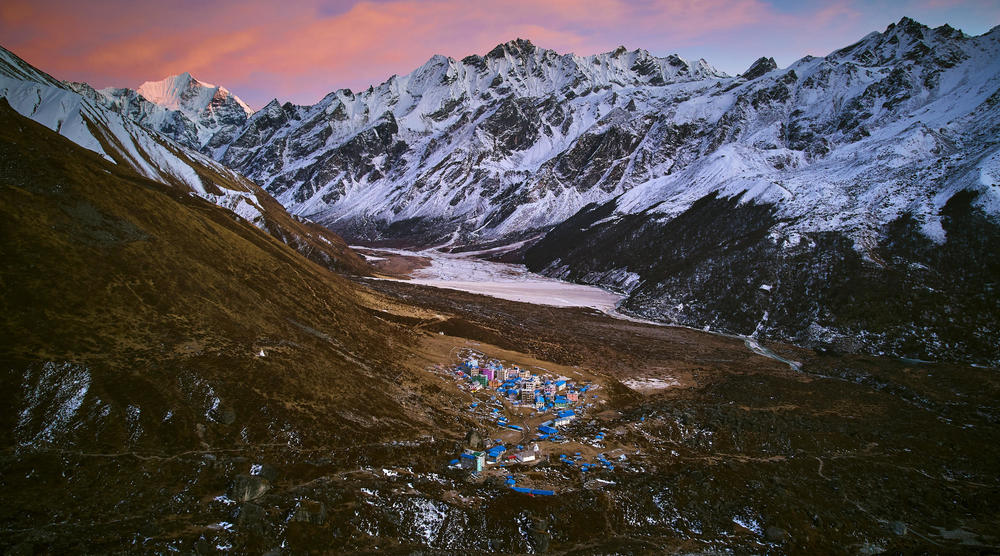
473,461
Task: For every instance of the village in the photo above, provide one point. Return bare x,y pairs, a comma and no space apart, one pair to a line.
528,413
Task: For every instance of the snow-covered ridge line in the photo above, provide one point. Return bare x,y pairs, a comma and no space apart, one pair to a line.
187,94
520,139
120,139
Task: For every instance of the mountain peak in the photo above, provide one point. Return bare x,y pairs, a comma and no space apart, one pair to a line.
908,26
185,93
759,68
169,91
516,47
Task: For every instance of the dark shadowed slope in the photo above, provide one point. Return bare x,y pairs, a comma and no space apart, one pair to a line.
165,302
144,329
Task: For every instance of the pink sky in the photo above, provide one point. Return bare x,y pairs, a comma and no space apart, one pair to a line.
299,50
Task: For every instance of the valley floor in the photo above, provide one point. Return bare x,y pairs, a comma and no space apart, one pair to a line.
726,449
465,272
732,449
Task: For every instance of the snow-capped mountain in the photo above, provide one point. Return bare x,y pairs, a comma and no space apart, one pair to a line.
828,176
198,115
515,140
849,201
522,138
119,138
838,154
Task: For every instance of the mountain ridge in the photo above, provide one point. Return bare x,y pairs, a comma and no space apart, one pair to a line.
440,147
885,136
76,111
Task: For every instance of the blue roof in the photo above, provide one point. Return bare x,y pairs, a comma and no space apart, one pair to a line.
558,382
453,462
567,413
467,456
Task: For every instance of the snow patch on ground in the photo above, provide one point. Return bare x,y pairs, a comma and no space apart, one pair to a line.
649,384
505,281
53,395
748,523
242,203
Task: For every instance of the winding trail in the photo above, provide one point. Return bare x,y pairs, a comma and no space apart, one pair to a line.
755,347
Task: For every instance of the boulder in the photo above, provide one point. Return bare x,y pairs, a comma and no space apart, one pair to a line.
473,440
252,519
310,511
244,488
775,534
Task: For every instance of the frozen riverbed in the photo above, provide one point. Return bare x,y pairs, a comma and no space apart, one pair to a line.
514,282
506,281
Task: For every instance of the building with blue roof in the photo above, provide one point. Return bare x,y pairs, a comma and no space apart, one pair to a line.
564,417
473,461
495,452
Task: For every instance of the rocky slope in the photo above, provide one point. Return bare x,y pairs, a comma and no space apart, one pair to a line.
145,326
848,202
183,291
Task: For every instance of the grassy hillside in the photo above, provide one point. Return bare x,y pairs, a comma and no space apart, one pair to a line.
168,303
